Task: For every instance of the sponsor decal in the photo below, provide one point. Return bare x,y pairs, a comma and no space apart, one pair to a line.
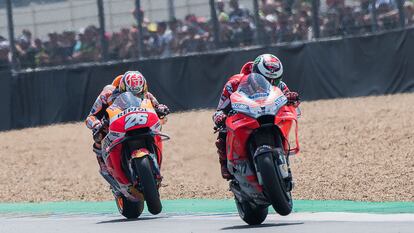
280,101
259,95
129,110
135,119
229,88
242,169
240,106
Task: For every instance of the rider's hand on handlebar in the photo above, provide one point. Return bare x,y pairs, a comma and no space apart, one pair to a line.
219,119
162,110
293,98
97,125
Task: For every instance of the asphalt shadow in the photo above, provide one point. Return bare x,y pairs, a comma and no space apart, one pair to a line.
129,220
239,227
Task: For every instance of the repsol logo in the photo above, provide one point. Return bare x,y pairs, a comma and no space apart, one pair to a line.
129,110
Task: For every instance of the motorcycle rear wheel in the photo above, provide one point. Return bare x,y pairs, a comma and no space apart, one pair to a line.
127,208
252,216
274,185
143,167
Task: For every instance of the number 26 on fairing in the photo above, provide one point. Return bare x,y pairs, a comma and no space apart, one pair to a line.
135,119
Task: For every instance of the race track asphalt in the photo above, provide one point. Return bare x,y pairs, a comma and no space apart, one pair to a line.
228,223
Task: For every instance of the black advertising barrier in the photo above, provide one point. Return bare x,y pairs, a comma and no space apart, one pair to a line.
5,95
350,67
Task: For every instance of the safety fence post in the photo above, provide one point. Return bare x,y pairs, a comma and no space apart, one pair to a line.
258,23
315,18
216,25
171,10
400,5
374,24
14,65
104,43
139,18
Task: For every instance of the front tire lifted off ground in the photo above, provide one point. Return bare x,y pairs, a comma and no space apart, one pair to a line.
152,197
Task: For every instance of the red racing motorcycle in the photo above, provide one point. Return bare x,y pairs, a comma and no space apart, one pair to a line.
258,149
132,151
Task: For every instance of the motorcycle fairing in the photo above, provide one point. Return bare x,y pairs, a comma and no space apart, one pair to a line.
285,119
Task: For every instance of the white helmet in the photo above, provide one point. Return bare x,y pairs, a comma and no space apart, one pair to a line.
269,66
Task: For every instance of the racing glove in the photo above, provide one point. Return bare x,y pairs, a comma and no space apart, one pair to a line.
162,110
97,131
219,119
293,98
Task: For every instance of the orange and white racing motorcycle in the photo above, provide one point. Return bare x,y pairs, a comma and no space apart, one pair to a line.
132,151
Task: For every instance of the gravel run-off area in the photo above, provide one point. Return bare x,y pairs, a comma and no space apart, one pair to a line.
352,149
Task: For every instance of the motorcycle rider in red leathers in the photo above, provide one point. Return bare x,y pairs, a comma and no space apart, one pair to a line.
131,81
271,68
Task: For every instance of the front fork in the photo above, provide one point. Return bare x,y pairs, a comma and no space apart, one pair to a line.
281,161
140,153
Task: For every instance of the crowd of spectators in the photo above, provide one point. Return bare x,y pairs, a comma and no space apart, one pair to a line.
280,20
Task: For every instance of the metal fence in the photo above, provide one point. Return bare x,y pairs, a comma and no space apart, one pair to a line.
74,31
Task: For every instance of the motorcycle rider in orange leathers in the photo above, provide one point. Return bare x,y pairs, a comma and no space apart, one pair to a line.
271,68
131,81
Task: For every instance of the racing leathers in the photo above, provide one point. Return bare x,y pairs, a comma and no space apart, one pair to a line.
224,107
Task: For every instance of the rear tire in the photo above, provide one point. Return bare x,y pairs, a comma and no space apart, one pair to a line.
252,216
152,197
274,185
127,208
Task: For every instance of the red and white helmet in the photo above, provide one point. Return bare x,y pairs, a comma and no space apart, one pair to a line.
134,82
269,66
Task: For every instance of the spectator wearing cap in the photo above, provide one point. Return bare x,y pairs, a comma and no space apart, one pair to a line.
25,52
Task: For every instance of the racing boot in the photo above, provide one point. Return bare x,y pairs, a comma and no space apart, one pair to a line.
221,151
102,166
103,169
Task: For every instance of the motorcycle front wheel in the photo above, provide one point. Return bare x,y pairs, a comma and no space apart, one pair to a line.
274,185
143,168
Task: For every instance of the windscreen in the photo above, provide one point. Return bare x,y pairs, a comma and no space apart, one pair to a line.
126,100
254,86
